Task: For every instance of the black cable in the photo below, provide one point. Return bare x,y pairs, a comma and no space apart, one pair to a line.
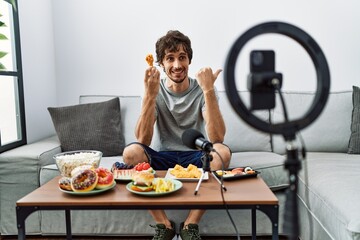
303,148
270,134
223,198
306,182
277,87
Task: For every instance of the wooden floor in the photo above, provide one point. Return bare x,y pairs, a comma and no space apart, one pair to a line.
129,238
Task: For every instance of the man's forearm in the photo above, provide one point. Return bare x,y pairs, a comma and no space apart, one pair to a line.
145,125
215,125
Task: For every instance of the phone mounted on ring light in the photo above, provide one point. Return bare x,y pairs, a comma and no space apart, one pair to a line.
262,80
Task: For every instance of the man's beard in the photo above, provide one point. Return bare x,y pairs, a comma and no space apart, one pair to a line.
177,81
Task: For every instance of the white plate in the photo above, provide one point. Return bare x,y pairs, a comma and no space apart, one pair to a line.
169,175
92,192
177,186
127,178
123,177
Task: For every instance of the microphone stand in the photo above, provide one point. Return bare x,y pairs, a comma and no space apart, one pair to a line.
206,159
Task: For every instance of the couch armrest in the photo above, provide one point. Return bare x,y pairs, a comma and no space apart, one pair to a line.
38,154
28,159
19,175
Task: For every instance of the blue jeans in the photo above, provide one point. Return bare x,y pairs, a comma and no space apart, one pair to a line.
164,160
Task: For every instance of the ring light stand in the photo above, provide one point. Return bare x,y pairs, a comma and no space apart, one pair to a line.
288,128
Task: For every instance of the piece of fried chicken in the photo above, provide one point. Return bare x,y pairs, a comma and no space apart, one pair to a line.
150,60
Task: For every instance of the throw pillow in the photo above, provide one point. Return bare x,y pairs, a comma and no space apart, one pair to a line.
354,142
91,126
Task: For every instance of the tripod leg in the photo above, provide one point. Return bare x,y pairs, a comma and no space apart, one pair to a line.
199,182
222,185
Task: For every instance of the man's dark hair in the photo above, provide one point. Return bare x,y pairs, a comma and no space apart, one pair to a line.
171,42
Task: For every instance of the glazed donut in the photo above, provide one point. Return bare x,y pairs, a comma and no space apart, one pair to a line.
65,183
105,176
84,180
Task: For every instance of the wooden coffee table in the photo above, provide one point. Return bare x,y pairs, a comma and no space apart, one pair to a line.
251,193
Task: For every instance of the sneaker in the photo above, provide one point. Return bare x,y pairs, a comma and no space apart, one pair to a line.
163,233
191,232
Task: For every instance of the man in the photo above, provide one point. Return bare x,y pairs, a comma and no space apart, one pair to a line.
177,103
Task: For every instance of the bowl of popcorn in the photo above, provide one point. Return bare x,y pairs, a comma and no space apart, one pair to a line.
67,161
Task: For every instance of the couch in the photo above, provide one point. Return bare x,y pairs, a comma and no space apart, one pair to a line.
328,195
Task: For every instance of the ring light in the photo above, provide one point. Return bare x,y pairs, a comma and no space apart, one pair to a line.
288,129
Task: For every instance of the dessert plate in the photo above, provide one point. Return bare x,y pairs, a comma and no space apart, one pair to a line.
92,192
126,176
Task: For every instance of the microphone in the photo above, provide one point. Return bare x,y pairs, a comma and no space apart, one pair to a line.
196,140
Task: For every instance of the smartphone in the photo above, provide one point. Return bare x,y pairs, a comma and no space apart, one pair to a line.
262,61
262,71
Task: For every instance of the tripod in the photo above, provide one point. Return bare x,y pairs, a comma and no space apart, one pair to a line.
206,159
293,165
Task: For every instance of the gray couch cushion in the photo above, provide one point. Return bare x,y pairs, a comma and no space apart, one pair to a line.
93,126
239,135
330,132
330,191
354,143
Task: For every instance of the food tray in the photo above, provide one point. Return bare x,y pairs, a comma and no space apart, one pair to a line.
237,176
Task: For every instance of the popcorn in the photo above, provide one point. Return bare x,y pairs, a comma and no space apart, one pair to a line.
66,162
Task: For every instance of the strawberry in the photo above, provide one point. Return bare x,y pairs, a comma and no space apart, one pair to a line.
146,166
142,166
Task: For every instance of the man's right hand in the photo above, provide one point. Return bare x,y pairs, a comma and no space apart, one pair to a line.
152,81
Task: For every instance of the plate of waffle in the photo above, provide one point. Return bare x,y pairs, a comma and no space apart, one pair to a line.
191,173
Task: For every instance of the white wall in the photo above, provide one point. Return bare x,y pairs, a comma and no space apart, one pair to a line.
100,45
37,45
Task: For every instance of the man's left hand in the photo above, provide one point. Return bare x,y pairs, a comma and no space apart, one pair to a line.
206,78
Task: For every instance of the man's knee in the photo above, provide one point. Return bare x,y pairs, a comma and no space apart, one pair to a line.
223,156
134,154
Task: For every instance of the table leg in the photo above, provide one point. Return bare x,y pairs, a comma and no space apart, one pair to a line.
21,214
272,211
68,224
253,223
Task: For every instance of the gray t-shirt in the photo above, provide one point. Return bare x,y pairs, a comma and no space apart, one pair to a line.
175,113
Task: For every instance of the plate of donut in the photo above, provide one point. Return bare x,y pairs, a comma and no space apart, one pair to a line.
92,192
